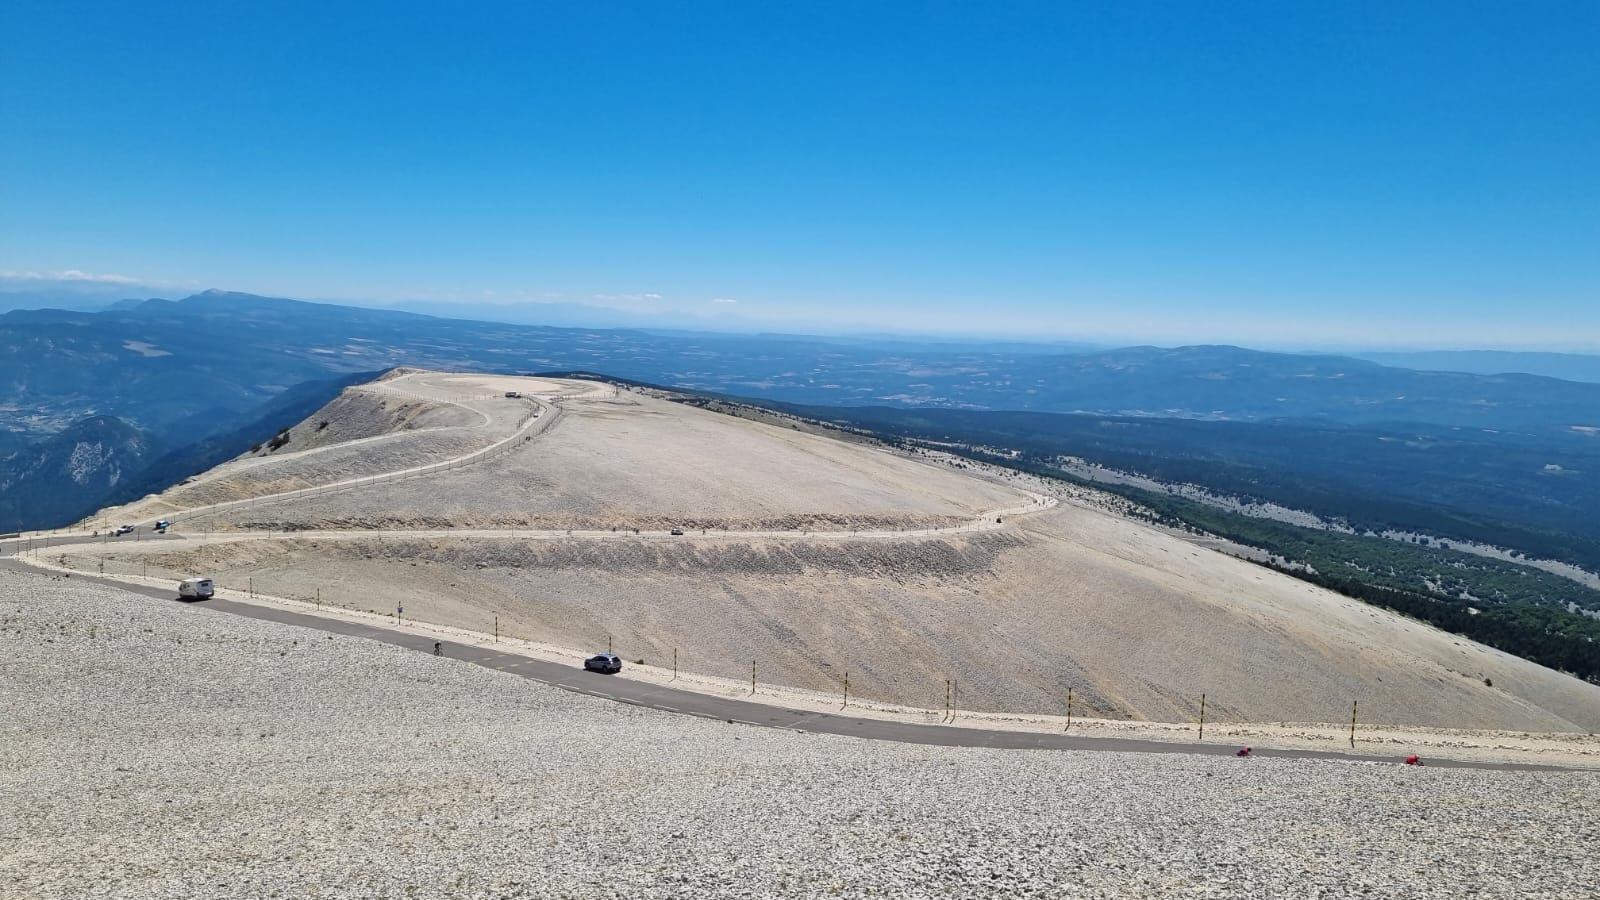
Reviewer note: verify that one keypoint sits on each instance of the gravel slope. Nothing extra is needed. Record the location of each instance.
(406, 418)
(150, 750)
(635, 461)
(1137, 622)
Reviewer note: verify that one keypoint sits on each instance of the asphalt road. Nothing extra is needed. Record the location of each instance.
(738, 712)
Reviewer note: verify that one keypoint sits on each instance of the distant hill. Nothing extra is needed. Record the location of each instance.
(184, 371)
(66, 475)
(161, 362)
(1568, 366)
(42, 292)
(1232, 383)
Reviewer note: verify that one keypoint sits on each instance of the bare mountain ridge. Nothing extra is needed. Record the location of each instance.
(1069, 594)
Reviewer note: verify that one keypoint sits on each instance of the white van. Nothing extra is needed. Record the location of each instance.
(196, 588)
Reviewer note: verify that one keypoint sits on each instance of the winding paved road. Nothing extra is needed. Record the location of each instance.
(667, 699)
(624, 690)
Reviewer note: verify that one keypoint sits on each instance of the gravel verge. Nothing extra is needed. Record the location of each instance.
(154, 750)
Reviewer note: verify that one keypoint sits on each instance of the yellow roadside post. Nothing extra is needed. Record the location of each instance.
(1069, 710)
(1202, 717)
(1353, 724)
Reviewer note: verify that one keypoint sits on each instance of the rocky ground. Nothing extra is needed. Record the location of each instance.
(154, 750)
(406, 419)
(260, 477)
(635, 461)
(1138, 623)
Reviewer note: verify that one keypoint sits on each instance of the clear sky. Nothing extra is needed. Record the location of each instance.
(1259, 173)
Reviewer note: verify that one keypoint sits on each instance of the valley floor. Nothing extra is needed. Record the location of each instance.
(149, 750)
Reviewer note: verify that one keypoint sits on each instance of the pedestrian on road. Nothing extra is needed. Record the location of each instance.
(438, 649)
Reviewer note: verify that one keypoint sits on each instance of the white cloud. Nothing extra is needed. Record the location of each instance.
(625, 298)
(109, 278)
(72, 275)
(723, 300)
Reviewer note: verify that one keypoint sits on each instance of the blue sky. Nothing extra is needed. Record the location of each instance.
(1385, 173)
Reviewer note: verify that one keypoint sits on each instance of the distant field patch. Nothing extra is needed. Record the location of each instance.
(144, 349)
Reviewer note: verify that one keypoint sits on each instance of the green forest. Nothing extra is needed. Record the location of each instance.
(1518, 609)
(1533, 491)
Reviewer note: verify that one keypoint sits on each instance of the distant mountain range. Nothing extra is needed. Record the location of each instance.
(159, 363)
(1569, 366)
(182, 372)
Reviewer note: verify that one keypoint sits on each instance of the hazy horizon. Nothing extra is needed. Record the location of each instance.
(90, 295)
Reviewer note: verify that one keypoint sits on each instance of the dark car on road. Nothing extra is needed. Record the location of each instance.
(608, 663)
